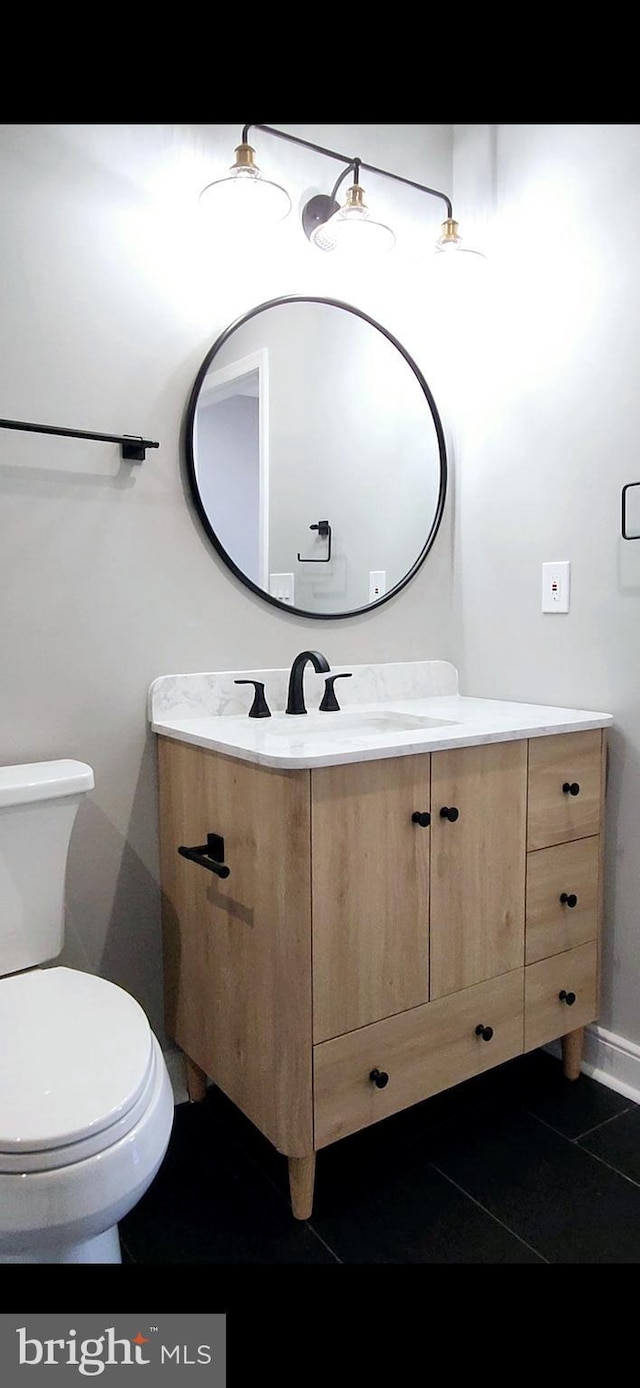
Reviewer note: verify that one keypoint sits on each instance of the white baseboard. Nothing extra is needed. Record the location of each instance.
(610, 1059)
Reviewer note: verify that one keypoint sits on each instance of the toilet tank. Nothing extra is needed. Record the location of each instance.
(38, 805)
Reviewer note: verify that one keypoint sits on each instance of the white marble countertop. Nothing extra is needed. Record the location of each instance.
(204, 709)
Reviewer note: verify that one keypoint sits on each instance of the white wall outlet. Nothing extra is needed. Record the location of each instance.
(377, 584)
(556, 583)
(281, 587)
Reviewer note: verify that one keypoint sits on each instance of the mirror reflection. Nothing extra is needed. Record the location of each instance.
(316, 456)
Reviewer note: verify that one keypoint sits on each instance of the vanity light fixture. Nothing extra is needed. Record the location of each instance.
(329, 225)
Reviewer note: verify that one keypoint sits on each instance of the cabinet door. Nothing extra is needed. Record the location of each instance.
(370, 891)
(477, 864)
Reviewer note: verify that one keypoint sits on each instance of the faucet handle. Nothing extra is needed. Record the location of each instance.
(329, 702)
(259, 707)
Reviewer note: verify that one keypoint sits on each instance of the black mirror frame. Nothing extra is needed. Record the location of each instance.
(191, 465)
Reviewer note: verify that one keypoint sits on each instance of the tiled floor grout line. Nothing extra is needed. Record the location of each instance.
(575, 1142)
(546, 1124)
(610, 1167)
(597, 1126)
(490, 1213)
(274, 1186)
(255, 1162)
(324, 1243)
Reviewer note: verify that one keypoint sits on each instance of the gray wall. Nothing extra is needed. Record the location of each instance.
(112, 293)
(546, 434)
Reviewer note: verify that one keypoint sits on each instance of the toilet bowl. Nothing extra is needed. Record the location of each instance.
(86, 1103)
(86, 1109)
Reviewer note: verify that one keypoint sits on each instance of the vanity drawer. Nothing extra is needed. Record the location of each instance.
(548, 1016)
(569, 871)
(556, 815)
(422, 1051)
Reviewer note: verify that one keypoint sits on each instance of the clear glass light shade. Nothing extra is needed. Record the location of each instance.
(245, 198)
(454, 252)
(352, 231)
(450, 242)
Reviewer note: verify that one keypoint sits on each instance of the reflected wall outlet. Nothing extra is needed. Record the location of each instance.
(556, 579)
(281, 587)
(377, 584)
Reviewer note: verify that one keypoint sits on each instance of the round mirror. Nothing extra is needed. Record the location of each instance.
(316, 456)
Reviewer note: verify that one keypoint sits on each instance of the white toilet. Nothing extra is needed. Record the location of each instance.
(86, 1103)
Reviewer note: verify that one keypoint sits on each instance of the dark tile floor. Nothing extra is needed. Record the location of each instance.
(516, 1166)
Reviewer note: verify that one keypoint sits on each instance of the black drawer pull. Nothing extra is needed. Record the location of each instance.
(569, 998)
(421, 817)
(209, 855)
(450, 813)
(485, 1032)
(569, 899)
(571, 788)
(380, 1078)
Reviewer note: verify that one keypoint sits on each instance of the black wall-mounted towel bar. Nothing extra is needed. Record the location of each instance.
(133, 446)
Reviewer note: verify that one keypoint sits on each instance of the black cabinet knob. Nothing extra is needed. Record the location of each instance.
(449, 812)
(421, 817)
(571, 788)
(485, 1032)
(569, 998)
(569, 899)
(380, 1078)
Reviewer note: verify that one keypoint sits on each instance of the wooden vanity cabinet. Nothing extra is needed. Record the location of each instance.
(388, 928)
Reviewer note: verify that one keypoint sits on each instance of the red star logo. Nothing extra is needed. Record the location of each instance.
(140, 1339)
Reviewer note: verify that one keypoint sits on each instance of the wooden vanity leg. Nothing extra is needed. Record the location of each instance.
(302, 1172)
(196, 1080)
(572, 1045)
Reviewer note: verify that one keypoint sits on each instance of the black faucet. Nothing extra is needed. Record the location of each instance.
(295, 697)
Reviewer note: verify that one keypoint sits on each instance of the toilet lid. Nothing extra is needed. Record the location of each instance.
(77, 1052)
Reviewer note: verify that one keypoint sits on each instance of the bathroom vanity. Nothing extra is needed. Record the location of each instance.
(398, 895)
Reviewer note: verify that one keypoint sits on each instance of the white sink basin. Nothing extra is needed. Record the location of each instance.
(351, 722)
